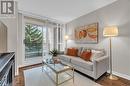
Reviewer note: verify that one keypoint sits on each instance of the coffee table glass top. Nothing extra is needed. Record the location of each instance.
(57, 67)
(58, 71)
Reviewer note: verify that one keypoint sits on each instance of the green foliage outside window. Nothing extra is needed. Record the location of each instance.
(33, 40)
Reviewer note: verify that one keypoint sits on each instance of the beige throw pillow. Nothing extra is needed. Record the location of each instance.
(97, 54)
(79, 50)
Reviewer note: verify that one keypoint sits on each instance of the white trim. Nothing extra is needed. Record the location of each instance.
(23, 37)
(33, 15)
(33, 21)
(120, 75)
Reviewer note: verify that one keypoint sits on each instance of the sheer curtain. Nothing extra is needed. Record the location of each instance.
(60, 37)
(51, 35)
(54, 36)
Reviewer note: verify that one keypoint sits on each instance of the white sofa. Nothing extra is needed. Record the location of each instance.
(94, 68)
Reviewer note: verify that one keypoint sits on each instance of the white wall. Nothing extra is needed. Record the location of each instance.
(11, 24)
(118, 14)
(12, 33)
(12, 28)
(21, 46)
(20, 40)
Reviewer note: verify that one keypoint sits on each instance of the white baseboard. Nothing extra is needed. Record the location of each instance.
(121, 75)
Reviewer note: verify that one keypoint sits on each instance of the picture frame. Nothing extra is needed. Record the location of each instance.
(87, 34)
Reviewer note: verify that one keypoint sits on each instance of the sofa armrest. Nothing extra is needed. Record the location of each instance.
(101, 65)
(101, 58)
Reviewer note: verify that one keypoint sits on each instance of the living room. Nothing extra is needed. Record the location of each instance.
(84, 42)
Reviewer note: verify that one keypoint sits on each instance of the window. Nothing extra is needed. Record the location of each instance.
(35, 36)
(42, 38)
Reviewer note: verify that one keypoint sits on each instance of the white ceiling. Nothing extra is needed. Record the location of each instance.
(62, 10)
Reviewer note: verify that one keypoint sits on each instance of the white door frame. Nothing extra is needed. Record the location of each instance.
(29, 61)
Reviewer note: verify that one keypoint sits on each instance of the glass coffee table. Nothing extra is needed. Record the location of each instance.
(59, 72)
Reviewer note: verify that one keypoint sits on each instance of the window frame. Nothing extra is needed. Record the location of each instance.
(26, 23)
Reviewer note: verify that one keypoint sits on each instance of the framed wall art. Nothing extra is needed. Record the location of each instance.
(87, 33)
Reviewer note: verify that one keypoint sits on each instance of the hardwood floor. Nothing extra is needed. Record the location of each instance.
(19, 80)
(105, 81)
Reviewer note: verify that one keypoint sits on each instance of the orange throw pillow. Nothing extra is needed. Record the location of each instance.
(86, 55)
(72, 52)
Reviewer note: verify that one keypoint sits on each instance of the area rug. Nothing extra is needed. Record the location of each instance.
(35, 77)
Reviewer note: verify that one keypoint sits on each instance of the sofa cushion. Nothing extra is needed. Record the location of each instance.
(72, 51)
(86, 49)
(79, 50)
(97, 54)
(66, 57)
(82, 63)
(86, 55)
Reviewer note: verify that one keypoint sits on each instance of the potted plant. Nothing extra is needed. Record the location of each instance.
(54, 52)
